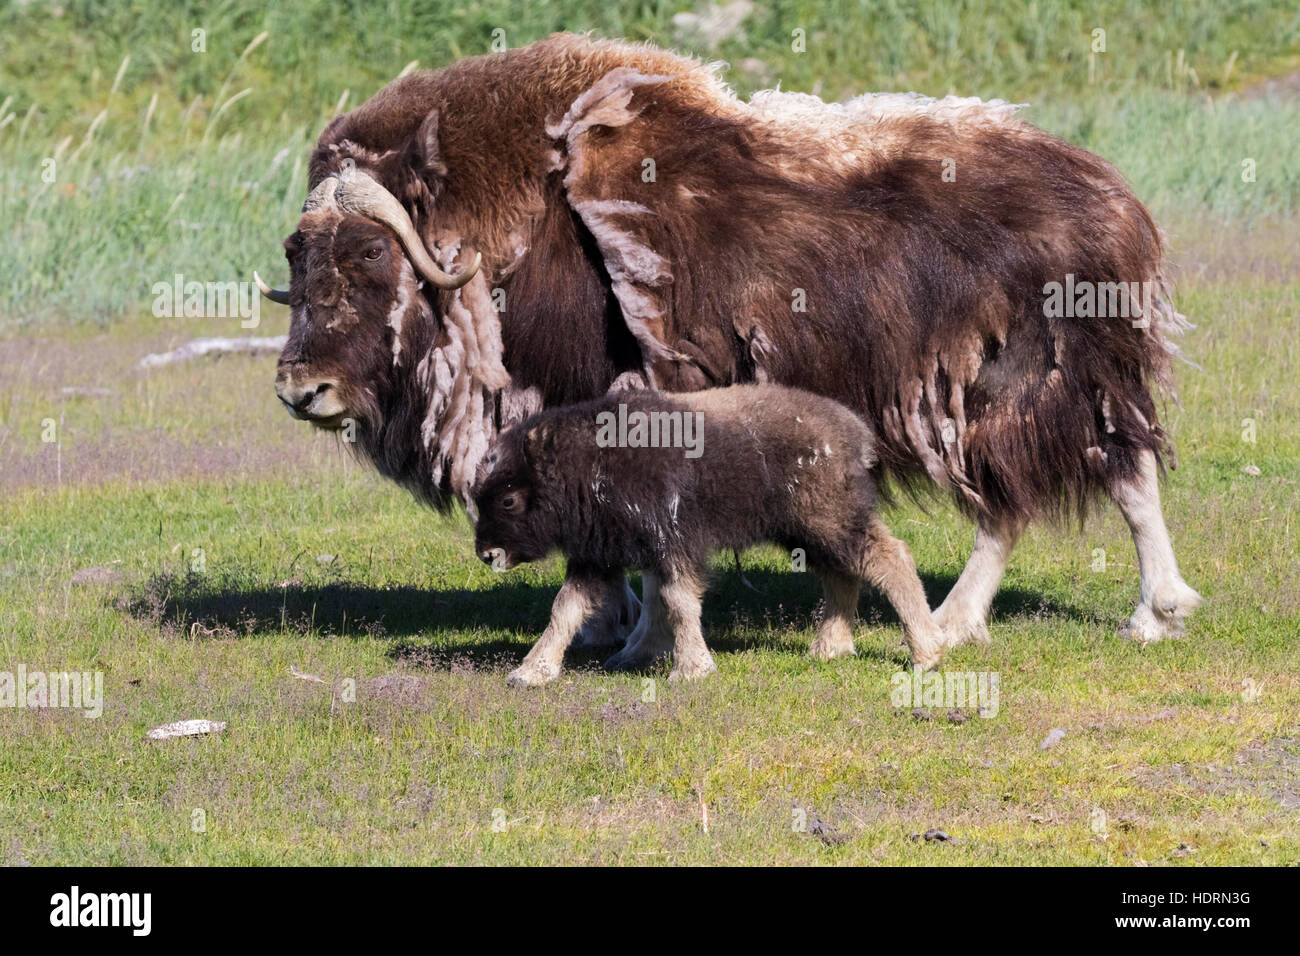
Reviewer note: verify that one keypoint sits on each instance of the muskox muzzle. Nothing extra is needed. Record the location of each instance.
(310, 398)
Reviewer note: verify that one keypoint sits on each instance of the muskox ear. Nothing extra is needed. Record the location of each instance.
(426, 144)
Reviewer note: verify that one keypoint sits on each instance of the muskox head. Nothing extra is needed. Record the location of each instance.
(356, 263)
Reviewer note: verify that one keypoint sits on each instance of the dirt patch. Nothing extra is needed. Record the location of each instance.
(614, 715)
(102, 576)
(1269, 770)
(76, 410)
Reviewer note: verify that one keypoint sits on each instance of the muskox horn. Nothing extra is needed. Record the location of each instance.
(275, 295)
(360, 195)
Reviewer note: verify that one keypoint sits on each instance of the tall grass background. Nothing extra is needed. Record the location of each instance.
(165, 160)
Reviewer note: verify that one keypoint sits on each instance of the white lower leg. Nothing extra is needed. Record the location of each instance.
(835, 636)
(1165, 598)
(574, 602)
(964, 612)
(691, 657)
(888, 565)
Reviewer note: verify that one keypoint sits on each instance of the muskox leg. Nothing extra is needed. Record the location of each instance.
(887, 563)
(583, 591)
(1165, 597)
(835, 636)
(681, 595)
(612, 620)
(962, 615)
(652, 639)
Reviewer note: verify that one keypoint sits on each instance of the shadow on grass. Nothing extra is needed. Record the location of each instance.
(429, 628)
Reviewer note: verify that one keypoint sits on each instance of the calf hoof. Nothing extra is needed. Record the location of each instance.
(961, 626)
(927, 657)
(692, 670)
(828, 649)
(532, 674)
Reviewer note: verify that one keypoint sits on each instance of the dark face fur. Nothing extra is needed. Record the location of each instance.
(509, 528)
(351, 291)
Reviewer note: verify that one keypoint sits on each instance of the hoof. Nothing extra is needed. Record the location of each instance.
(1164, 616)
(961, 627)
(828, 650)
(532, 675)
(926, 655)
(639, 657)
(692, 671)
(1146, 627)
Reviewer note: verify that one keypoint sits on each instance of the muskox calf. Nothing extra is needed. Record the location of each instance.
(649, 480)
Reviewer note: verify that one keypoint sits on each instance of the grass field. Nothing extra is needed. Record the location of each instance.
(183, 536)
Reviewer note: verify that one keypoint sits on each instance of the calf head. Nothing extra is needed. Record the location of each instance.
(512, 526)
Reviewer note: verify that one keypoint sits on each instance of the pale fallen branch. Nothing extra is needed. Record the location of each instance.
(199, 347)
(186, 728)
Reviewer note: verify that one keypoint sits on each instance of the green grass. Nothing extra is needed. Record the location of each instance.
(584, 770)
(239, 546)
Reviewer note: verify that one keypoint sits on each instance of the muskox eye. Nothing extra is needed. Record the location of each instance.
(374, 253)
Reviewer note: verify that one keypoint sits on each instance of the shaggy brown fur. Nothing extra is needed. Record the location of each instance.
(638, 223)
(923, 297)
(771, 464)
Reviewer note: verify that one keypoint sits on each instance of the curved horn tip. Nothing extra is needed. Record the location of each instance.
(470, 271)
(275, 295)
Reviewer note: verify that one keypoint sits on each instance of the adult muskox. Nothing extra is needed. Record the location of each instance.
(528, 228)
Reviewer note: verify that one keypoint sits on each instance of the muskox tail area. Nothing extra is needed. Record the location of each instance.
(1039, 421)
(1078, 425)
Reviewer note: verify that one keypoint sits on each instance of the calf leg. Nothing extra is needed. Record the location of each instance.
(681, 595)
(652, 639)
(887, 563)
(583, 591)
(835, 636)
(1165, 598)
(963, 613)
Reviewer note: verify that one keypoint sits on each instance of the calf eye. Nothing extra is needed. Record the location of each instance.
(513, 504)
(374, 253)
